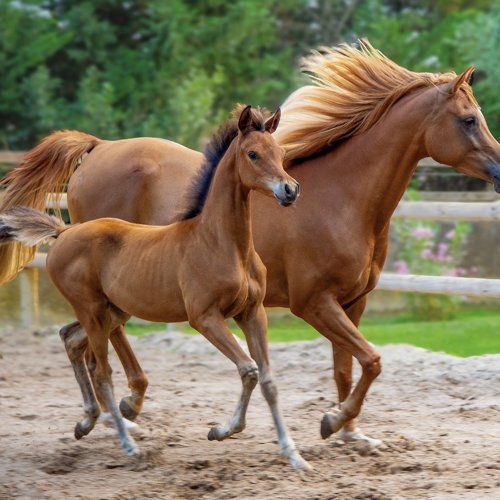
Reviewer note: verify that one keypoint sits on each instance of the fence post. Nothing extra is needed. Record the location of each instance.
(30, 298)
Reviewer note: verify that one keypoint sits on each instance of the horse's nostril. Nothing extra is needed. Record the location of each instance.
(288, 191)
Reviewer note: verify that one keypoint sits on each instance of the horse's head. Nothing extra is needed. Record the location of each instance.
(261, 158)
(458, 134)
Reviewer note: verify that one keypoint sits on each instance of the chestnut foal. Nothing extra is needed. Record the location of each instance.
(202, 269)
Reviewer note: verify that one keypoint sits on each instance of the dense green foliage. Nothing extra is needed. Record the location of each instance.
(174, 69)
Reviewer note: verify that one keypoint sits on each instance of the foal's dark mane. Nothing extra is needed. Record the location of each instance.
(214, 151)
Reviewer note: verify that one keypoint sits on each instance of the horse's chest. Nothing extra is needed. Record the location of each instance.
(247, 289)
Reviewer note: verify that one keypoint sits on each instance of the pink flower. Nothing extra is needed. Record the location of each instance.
(401, 267)
(422, 233)
(450, 234)
(426, 253)
(442, 250)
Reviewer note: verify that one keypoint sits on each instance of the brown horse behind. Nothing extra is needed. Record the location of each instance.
(203, 269)
(353, 139)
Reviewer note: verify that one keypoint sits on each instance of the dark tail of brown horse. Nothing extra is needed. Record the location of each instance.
(44, 170)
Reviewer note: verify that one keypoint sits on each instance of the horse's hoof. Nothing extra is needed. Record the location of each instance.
(330, 423)
(81, 430)
(298, 463)
(213, 434)
(357, 435)
(126, 409)
(131, 450)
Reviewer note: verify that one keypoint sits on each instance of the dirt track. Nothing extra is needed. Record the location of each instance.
(438, 416)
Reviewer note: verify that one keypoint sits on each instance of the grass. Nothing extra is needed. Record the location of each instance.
(473, 332)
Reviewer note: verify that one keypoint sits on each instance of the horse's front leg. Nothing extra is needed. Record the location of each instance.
(76, 341)
(213, 327)
(254, 325)
(342, 373)
(325, 314)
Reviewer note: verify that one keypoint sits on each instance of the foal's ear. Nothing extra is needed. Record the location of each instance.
(466, 76)
(273, 122)
(245, 120)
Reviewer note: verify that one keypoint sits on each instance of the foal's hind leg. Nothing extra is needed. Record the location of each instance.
(98, 340)
(75, 341)
(130, 406)
(255, 329)
(213, 328)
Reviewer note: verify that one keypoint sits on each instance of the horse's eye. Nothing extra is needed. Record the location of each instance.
(469, 122)
(252, 155)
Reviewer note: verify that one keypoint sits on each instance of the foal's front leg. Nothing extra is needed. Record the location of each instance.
(213, 328)
(254, 325)
(75, 341)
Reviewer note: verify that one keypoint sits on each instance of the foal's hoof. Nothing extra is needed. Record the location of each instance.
(126, 409)
(299, 463)
(214, 434)
(331, 422)
(358, 436)
(131, 450)
(81, 430)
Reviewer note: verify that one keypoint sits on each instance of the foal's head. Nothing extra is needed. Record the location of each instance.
(260, 158)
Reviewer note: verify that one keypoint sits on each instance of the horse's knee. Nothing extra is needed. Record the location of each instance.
(249, 374)
(372, 367)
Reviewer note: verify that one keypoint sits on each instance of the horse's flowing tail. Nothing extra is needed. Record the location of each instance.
(28, 226)
(42, 173)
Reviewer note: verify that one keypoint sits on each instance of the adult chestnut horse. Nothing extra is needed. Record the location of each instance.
(198, 269)
(353, 139)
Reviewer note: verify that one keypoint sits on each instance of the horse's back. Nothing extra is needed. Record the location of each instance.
(138, 180)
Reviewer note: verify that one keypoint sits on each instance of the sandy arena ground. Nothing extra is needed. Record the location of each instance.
(437, 415)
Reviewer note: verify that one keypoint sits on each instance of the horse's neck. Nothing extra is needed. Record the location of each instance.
(225, 217)
(378, 165)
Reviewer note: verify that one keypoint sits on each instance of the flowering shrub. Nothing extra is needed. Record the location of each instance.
(430, 248)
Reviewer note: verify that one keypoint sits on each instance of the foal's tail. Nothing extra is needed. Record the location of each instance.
(42, 172)
(28, 226)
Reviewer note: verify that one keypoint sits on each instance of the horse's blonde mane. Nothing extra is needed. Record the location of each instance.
(352, 89)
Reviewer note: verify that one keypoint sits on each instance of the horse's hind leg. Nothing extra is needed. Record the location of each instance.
(75, 341)
(130, 406)
(98, 340)
(216, 331)
(255, 329)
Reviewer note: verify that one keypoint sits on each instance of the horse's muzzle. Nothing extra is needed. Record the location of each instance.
(287, 192)
(494, 172)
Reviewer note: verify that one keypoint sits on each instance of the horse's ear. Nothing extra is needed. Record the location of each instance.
(245, 120)
(273, 122)
(466, 76)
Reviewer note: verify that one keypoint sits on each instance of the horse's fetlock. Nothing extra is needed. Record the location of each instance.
(139, 384)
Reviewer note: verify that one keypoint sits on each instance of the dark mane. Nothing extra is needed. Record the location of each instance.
(214, 151)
